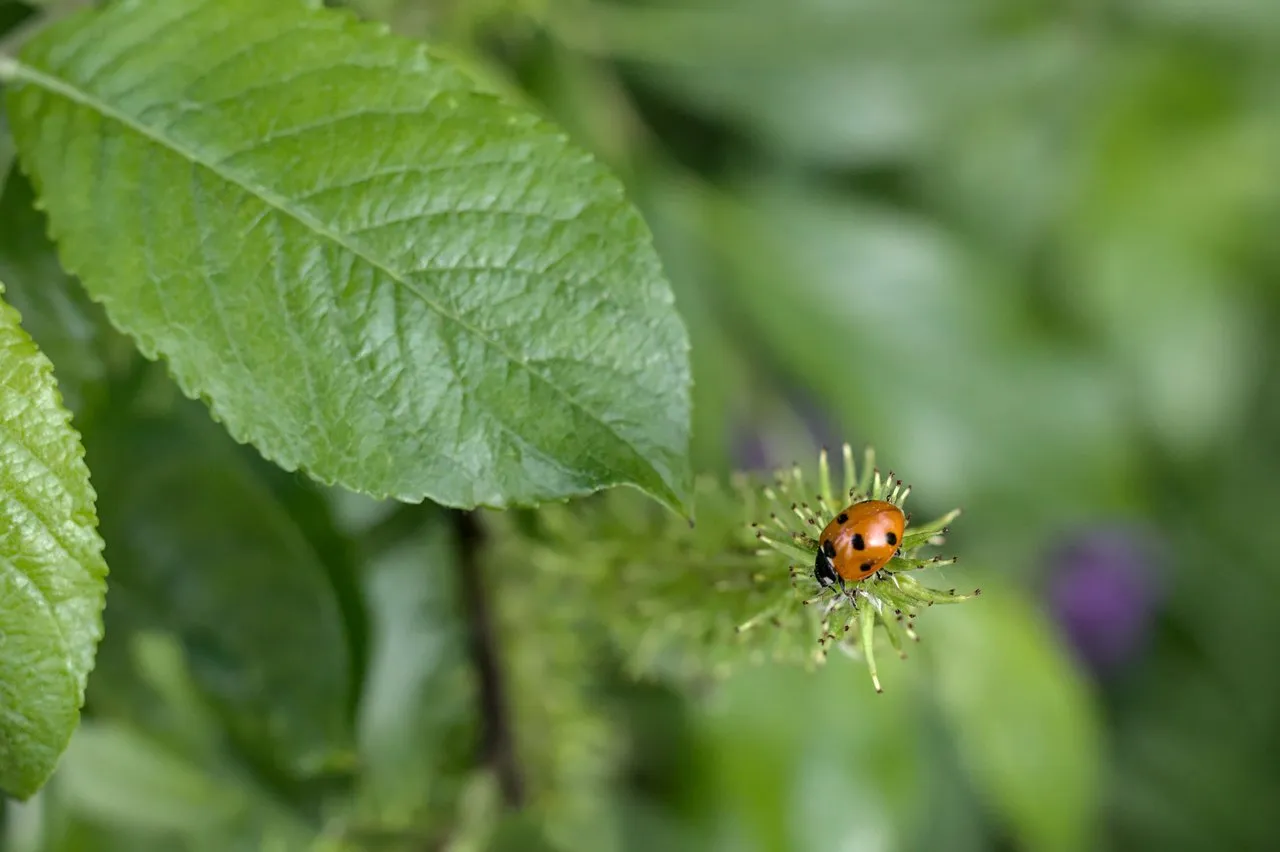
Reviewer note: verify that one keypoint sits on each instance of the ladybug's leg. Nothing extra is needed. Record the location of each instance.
(851, 597)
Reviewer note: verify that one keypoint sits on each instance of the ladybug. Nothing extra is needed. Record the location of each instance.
(858, 542)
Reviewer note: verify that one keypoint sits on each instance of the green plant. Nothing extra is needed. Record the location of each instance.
(367, 265)
(737, 586)
(378, 267)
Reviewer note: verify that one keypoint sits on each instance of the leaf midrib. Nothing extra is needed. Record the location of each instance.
(19, 69)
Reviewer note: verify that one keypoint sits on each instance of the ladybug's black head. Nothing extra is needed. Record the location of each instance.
(823, 571)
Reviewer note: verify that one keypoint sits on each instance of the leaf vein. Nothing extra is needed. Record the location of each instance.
(43, 598)
(202, 242)
(431, 215)
(277, 253)
(19, 498)
(128, 49)
(237, 54)
(293, 76)
(405, 169)
(270, 138)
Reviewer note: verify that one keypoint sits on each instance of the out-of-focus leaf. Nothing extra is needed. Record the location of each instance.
(311, 512)
(954, 817)
(416, 730)
(722, 383)
(55, 309)
(1006, 171)
(75, 833)
(894, 324)
(812, 778)
(370, 268)
(1153, 265)
(521, 833)
(1245, 23)
(1025, 724)
(1183, 335)
(356, 513)
(52, 574)
(839, 83)
(120, 789)
(118, 775)
(6, 150)
(208, 552)
(12, 14)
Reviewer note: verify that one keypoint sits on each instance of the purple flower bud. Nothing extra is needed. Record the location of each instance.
(1103, 591)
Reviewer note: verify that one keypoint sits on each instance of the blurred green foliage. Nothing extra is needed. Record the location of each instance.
(1024, 248)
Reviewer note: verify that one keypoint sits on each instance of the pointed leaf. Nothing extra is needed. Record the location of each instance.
(52, 576)
(370, 268)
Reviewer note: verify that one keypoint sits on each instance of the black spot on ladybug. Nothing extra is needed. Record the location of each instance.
(866, 566)
(843, 518)
(829, 549)
(858, 543)
(891, 538)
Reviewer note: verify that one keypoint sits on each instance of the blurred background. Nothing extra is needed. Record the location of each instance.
(1026, 249)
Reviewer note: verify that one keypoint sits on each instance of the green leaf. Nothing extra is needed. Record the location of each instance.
(1023, 720)
(13, 15)
(205, 550)
(371, 269)
(937, 301)
(52, 575)
(120, 776)
(843, 84)
(812, 780)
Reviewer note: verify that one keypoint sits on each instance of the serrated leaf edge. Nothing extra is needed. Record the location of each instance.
(15, 69)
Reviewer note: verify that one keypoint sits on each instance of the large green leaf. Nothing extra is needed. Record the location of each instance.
(206, 551)
(369, 267)
(52, 576)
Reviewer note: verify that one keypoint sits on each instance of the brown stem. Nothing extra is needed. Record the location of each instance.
(497, 743)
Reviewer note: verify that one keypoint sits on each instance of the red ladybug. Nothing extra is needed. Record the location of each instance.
(858, 542)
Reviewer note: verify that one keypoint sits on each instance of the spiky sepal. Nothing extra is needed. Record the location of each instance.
(685, 602)
(846, 617)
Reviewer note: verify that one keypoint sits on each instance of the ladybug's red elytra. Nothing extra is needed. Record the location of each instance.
(858, 542)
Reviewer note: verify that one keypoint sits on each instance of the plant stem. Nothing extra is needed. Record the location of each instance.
(497, 744)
